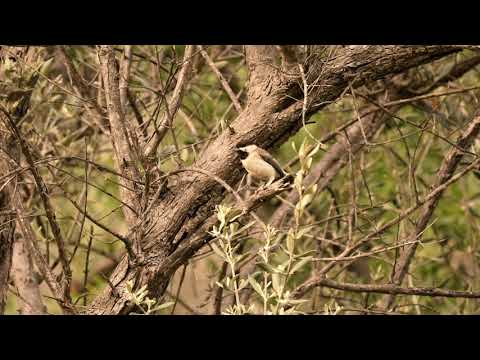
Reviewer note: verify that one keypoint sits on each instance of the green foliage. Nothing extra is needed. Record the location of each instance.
(384, 179)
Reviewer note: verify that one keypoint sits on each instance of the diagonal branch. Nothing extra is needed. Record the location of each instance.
(222, 80)
(45, 197)
(387, 289)
(83, 91)
(434, 194)
(445, 173)
(174, 103)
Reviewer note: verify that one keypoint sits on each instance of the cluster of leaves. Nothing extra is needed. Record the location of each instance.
(146, 305)
(280, 258)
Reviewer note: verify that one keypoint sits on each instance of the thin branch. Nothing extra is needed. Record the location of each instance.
(361, 242)
(386, 289)
(50, 213)
(29, 235)
(446, 171)
(125, 75)
(87, 258)
(222, 80)
(174, 103)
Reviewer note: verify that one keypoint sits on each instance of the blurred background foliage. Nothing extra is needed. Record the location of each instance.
(58, 125)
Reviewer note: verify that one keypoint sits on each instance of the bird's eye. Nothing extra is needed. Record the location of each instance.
(243, 154)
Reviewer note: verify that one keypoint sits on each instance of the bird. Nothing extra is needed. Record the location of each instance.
(260, 164)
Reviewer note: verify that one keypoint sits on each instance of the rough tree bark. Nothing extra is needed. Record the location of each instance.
(25, 282)
(9, 155)
(7, 229)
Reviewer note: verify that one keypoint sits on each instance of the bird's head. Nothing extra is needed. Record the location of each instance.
(247, 149)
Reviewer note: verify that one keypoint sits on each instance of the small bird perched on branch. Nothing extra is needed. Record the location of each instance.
(261, 165)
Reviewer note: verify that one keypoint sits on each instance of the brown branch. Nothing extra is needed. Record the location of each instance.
(366, 239)
(289, 55)
(7, 228)
(126, 155)
(222, 80)
(89, 101)
(23, 277)
(9, 159)
(174, 103)
(385, 289)
(217, 304)
(335, 158)
(87, 258)
(264, 78)
(445, 173)
(30, 238)
(50, 212)
(125, 75)
(125, 240)
(125, 65)
(7, 223)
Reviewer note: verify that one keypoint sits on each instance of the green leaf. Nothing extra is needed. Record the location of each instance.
(256, 286)
(291, 242)
(241, 257)
(296, 302)
(130, 286)
(242, 284)
(300, 264)
(307, 199)
(299, 234)
(43, 68)
(217, 250)
(242, 229)
(301, 152)
(298, 181)
(308, 164)
(315, 149)
(276, 282)
(163, 306)
(267, 268)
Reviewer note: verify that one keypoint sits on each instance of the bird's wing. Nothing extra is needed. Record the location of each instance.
(265, 155)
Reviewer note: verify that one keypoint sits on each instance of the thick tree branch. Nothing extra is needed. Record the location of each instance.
(265, 123)
(30, 299)
(126, 155)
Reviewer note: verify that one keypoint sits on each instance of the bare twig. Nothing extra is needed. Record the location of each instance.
(174, 103)
(445, 173)
(44, 195)
(222, 80)
(386, 289)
